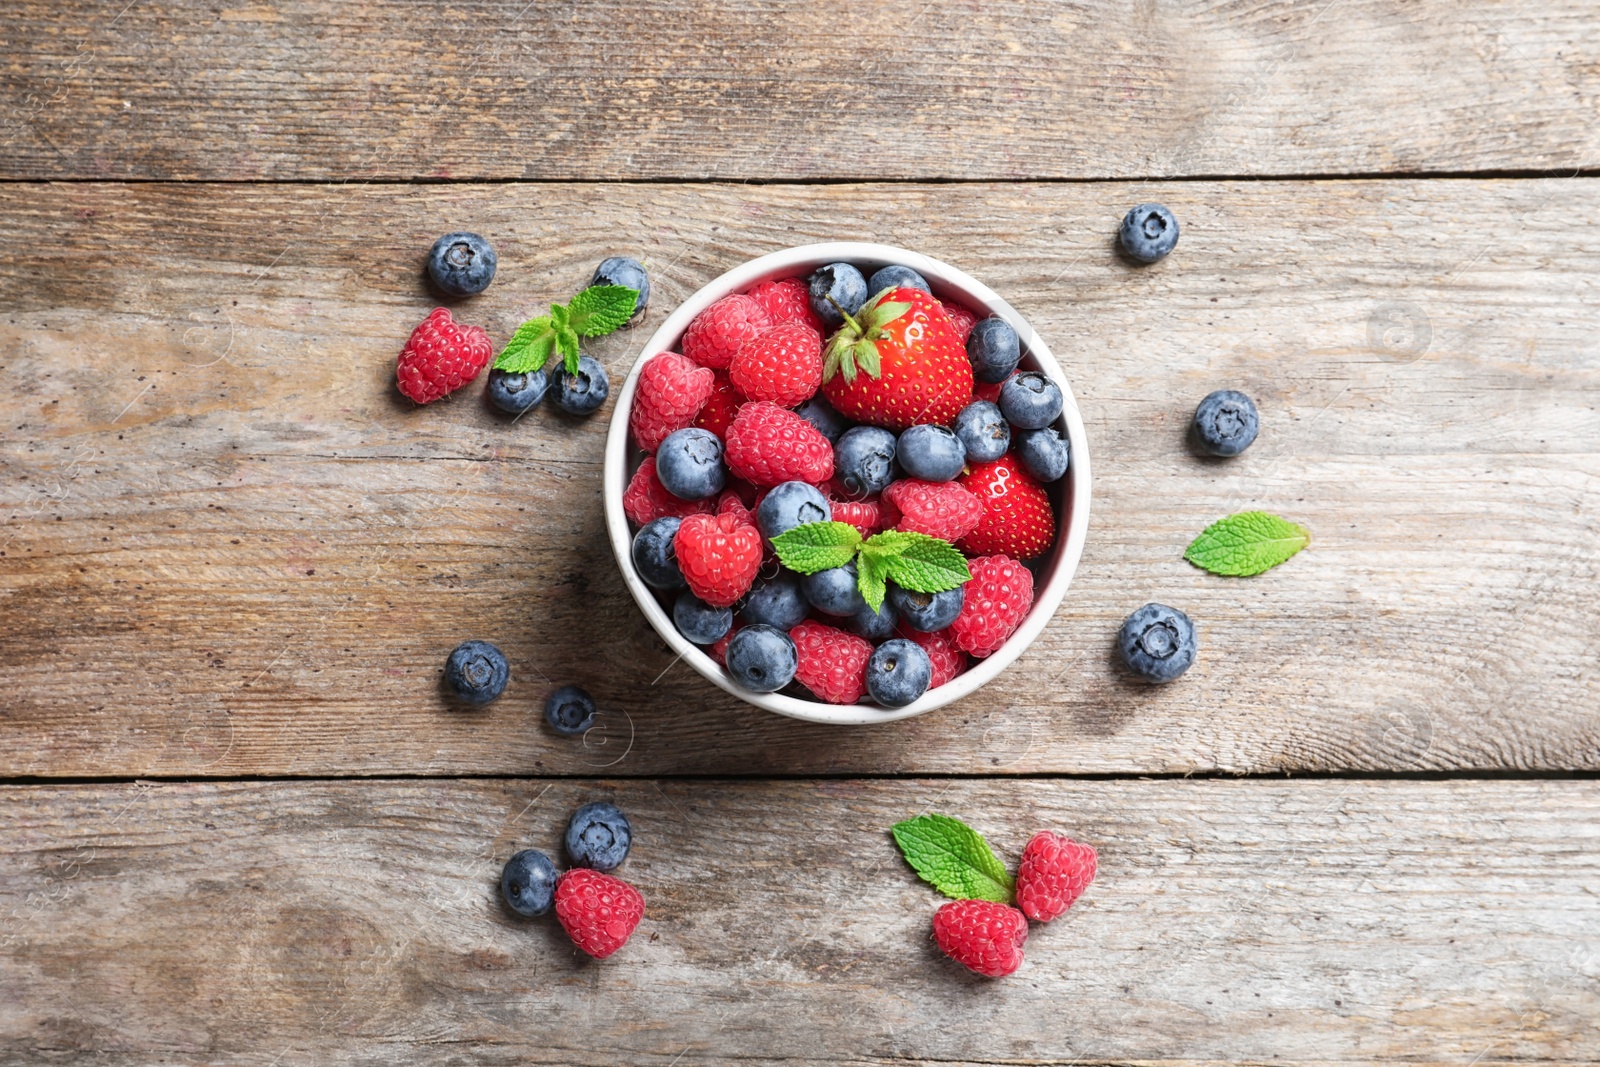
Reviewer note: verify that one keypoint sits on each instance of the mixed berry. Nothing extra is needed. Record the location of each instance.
(598, 910)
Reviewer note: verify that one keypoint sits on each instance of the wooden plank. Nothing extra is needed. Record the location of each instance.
(347, 922)
(766, 89)
(233, 549)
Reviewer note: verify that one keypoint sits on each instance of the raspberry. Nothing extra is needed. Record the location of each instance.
(730, 504)
(646, 499)
(946, 656)
(598, 911)
(785, 300)
(998, 596)
(718, 649)
(865, 515)
(1017, 518)
(1055, 870)
(783, 365)
(672, 390)
(938, 509)
(961, 318)
(720, 406)
(989, 391)
(980, 935)
(833, 664)
(719, 556)
(718, 332)
(768, 446)
(441, 356)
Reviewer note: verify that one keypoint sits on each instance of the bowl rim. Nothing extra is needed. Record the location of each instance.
(947, 282)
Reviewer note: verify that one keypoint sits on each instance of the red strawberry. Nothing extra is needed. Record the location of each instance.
(730, 504)
(833, 664)
(946, 656)
(997, 598)
(719, 331)
(672, 390)
(720, 406)
(783, 365)
(719, 556)
(785, 300)
(938, 509)
(961, 318)
(440, 357)
(597, 911)
(768, 445)
(981, 935)
(1017, 518)
(646, 499)
(864, 515)
(898, 362)
(1055, 871)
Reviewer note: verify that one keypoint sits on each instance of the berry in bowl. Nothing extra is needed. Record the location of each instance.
(847, 483)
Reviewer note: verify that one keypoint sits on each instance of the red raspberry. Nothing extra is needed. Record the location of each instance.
(785, 300)
(440, 357)
(989, 391)
(997, 598)
(646, 499)
(718, 332)
(946, 656)
(962, 319)
(768, 445)
(730, 504)
(833, 664)
(1055, 871)
(981, 935)
(938, 509)
(783, 365)
(672, 390)
(719, 556)
(1017, 518)
(720, 406)
(597, 911)
(718, 649)
(864, 515)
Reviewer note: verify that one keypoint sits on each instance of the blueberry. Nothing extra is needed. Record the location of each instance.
(789, 505)
(898, 673)
(864, 459)
(762, 659)
(984, 432)
(1030, 400)
(993, 350)
(776, 602)
(1044, 453)
(654, 556)
(875, 626)
(844, 285)
(621, 270)
(460, 264)
(927, 611)
(1149, 232)
(895, 276)
(598, 836)
(1226, 422)
(834, 592)
(689, 464)
(698, 621)
(476, 672)
(931, 453)
(819, 413)
(517, 393)
(569, 710)
(584, 392)
(1157, 642)
(528, 882)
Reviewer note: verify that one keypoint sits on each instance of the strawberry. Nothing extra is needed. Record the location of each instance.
(1055, 870)
(996, 600)
(672, 390)
(981, 935)
(720, 406)
(719, 556)
(768, 445)
(598, 911)
(783, 365)
(718, 332)
(938, 509)
(946, 656)
(441, 356)
(1017, 517)
(833, 664)
(785, 300)
(898, 362)
(961, 318)
(646, 499)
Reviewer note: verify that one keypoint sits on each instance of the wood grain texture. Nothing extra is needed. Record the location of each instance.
(296, 89)
(1323, 922)
(232, 548)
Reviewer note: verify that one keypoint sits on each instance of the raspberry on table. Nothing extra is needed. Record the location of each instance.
(981, 935)
(598, 912)
(996, 600)
(441, 356)
(1054, 872)
(717, 333)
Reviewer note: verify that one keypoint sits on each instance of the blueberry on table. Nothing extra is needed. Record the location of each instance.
(476, 672)
(984, 431)
(762, 659)
(834, 591)
(1148, 232)
(1226, 422)
(654, 556)
(582, 393)
(1030, 400)
(837, 283)
(993, 350)
(460, 264)
(598, 837)
(528, 883)
(873, 625)
(789, 505)
(1157, 643)
(698, 621)
(624, 271)
(927, 611)
(819, 413)
(895, 276)
(864, 459)
(569, 710)
(931, 453)
(898, 673)
(776, 602)
(515, 394)
(689, 464)
(1044, 453)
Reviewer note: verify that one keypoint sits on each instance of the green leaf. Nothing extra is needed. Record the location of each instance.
(926, 564)
(567, 345)
(560, 315)
(880, 315)
(528, 348)
(1247, 543)
(600, 309)
(817, 546)
(872, 572)
(953, 858)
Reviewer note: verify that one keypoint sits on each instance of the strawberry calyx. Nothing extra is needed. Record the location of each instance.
(854, 347)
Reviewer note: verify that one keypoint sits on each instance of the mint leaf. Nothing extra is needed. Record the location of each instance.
(817, 546)
(567, 345)
(926, 564)
(528, 348)
(872, 572)
(560, 315)
(1247, 543)
(600, 309)
(953, 858)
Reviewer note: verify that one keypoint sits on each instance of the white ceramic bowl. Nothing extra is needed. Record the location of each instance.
(1071, 495)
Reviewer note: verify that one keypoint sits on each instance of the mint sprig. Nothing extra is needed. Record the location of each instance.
(953, 858)
(595, 312)
(912, 561)
(1246, 544)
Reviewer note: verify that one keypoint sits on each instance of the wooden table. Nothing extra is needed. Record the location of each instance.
(240, 825)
